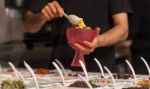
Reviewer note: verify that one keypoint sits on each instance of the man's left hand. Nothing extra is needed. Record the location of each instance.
(88, 47)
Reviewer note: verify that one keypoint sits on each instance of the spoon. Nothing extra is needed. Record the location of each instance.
(14, 69)
(100, 66)
(84, 69)
(73, 19)
(17, 73)
(109, 72)
(132, 70)
(146, 64)
(61, 66)
(32, 73)
(60, 73)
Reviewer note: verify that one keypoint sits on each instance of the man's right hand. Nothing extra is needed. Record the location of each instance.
(52, 10)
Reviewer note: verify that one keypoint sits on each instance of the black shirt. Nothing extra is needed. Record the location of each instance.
(140, 27)
(95, 13)
(140, 24)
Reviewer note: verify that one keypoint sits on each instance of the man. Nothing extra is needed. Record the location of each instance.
(109, 15)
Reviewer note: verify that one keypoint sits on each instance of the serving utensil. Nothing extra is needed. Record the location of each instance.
(17, 73)
(14, 69)
(32, 73)
(60, 73)
(73, 19)
(113, 79)
(84, 69)
(146, 64)
(61, 66)
(100, 66)
(132, 70)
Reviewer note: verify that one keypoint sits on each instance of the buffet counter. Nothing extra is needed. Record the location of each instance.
(51, 79)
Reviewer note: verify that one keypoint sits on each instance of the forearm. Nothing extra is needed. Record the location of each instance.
(34, 22)
(113, 36)
(116, 34)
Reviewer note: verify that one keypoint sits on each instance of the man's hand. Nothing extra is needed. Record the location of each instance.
(88, 46)
(52, 10)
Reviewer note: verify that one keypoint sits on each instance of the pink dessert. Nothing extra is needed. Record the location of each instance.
(78, 35)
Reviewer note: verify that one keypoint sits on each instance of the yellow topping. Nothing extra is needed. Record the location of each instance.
(82, 25)
(88, 27)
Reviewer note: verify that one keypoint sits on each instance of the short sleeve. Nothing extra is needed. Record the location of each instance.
(37, 5)
(118, 6)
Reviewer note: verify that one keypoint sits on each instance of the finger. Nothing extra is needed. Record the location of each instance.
(94, 43)
(58, 8)
(82, 49)
(49, 12)
(45, 14)
(90, 44)
(79, 47)
(53, 9)
(97, 30)
(29, 13)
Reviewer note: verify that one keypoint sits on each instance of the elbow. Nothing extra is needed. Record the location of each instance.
(125, 36)
(32, 23)
(29, 28)
(126, 33)
(26, 27)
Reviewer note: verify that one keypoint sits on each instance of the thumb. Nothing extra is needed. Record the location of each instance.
(97, 30)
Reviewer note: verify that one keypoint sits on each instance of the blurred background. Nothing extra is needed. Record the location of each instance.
(16, 45)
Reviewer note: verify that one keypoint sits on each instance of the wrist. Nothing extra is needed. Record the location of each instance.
(42, 17)
(101, 41)
(33, 22)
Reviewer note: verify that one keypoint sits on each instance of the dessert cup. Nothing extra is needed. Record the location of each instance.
(78, 35)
